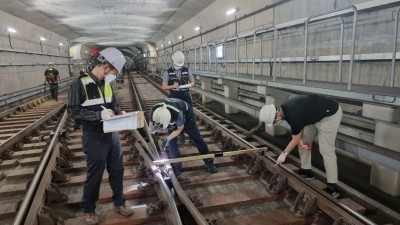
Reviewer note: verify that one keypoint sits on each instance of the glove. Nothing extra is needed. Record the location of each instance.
(304, 145)
(281, 158)
(106, 114)
(122, 113)
(164, 143)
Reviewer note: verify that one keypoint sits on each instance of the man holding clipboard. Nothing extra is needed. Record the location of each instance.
(91, 100)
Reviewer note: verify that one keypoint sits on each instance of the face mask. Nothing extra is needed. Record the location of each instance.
(109, 78)
(177, 67)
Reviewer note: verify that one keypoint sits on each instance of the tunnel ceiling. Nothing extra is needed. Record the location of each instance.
(107, 22)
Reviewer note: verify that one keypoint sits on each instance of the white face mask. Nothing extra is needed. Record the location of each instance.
(109, 78)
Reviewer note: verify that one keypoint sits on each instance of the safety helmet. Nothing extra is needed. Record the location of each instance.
(267, 114)
(178, 58)
(114, 57)
(161, 116)
(50, 63)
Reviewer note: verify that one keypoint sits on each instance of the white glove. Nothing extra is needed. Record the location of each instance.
(106, 114)
(281, 158)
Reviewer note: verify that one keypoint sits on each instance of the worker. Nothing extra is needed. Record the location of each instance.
(309, 115)
(91, 100)
(177, 116)
(52, 77)
(176, 76)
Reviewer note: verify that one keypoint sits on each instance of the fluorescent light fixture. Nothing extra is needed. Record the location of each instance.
(86, 52)
(231, 11)
(11, 30)
(144, 54)
(180, 37)
(169, 42)
(197, 28)
(162, 46)
(139, 52)
(60, 44)
(156, 48)
(42, 38)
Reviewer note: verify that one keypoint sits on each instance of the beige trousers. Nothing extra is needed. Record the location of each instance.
(327, 130)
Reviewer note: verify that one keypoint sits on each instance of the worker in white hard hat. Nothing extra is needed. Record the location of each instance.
(309, 116)
(52, 77)
(178, 79)
(177, 116)
(91, 100)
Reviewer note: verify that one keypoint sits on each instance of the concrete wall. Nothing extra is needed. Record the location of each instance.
(16, 77)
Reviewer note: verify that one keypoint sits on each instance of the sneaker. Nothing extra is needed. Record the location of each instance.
(332, 190)
(123, 210)
(91, 219)
(211, 168)
(306, 174)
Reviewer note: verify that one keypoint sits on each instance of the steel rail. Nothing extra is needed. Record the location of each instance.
(26, 204)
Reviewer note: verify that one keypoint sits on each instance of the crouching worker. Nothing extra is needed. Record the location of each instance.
(90, 101)
(177, 116)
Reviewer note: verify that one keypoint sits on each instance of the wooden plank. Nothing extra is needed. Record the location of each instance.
(7, 131)
(25, 154)
(79, 180)
(81, 166)
(9, 164)
(12, 190)
(8, 210)
(78, 147)
(20, 174)
(30, 161)
(237, 199)
(112, 218)
(217, 178)
(276, 217)
(105, 195)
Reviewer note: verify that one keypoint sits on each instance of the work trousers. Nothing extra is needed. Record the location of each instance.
(192, 130)
(54, 90)
(326, 129)
(102, 150)
(182, 95)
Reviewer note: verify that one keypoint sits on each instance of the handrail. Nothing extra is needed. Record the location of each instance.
(355, 12)
(25, 206)
(396, 23)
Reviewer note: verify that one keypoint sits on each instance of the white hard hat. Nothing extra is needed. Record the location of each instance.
(162, 116)
(178, 58)
(114, 57)
(50, 63)
(267, 114)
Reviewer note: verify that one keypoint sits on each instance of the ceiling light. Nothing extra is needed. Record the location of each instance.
(231, 11)
(11, 30)
(156, 48)
(169, 42)
(60, 44)
(197, 28)
(180, 37)
(42, 38)
(162, 46)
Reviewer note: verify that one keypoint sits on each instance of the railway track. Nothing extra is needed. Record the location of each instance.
(248, 189)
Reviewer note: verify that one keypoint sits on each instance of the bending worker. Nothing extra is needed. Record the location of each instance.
(308, 116)
(177, 116)
(91, 100)
(178, 75)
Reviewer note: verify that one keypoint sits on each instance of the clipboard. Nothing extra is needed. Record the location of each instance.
(128, 121)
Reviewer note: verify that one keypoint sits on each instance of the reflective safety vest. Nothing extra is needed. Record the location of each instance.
(95, 98)
(172, 77)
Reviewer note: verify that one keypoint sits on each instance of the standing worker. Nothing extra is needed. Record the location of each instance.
(309, 116)
(176, 115)
(52, 77)
(176, 76)
(91, 100)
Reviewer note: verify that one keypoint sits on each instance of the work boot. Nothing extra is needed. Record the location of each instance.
(91, 219)
(306, 174)
(332, 189)
(211, 168)
(123, 210)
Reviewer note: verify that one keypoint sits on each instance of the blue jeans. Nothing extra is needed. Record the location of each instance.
(193, 131)
(102, 150)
